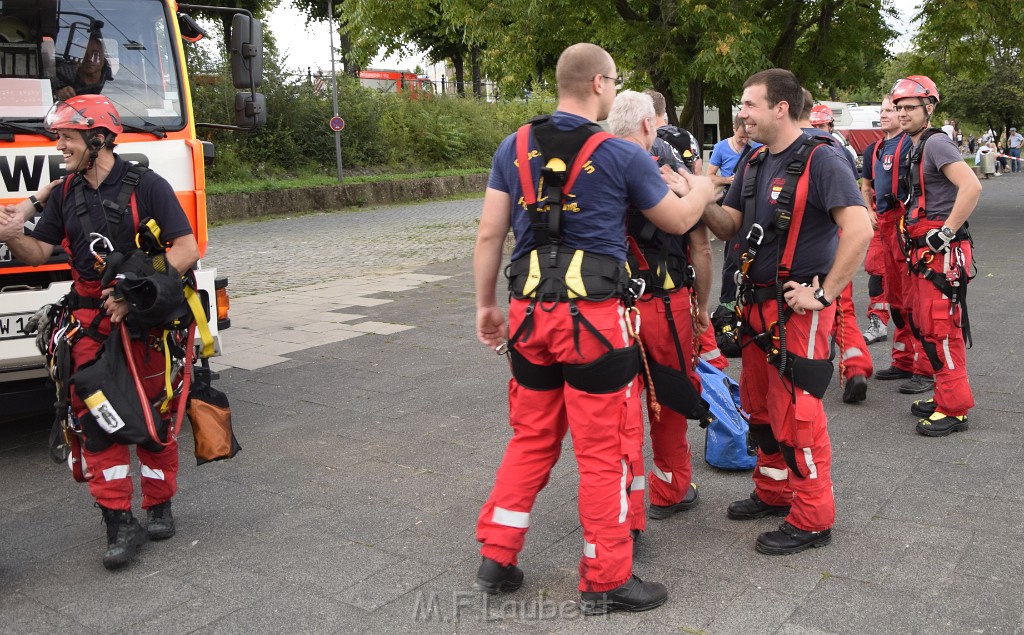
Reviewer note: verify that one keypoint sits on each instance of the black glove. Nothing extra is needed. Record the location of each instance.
(938, 240)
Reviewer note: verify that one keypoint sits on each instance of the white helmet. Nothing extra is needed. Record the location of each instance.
(13, 30)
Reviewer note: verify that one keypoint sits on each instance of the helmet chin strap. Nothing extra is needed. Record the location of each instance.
(95, 142)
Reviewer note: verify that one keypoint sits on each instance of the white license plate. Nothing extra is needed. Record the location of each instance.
(11, 325)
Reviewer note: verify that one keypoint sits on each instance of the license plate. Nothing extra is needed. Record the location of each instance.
(11, 325)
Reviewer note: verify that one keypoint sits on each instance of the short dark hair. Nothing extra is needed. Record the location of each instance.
(659, 102)
(780, 85)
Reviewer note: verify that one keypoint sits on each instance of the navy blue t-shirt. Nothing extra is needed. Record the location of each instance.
(619, 174)
(154, 198)
(882, 170)
(830, 185)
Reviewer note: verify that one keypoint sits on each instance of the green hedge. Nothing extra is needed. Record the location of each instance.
(384, 133)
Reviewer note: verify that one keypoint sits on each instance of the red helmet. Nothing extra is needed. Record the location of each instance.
(83, 112)
(915, 86)
(821, 114)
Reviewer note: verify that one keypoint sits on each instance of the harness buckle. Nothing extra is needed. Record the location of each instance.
(755, 235)
(501, 349)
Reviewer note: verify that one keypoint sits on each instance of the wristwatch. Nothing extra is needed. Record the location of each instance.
(947, 232)
(819, 295)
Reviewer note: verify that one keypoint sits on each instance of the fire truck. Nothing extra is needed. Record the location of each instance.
(138, 46)
(391, 81)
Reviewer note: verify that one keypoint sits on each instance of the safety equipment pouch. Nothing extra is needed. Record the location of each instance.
(812, 375)
(675, 391)
(210, 414)
(115, 406)
(725, 441)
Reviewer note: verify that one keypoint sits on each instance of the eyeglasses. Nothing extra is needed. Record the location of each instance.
(616, 80)
(908, 107)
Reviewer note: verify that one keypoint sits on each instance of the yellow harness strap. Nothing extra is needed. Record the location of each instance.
(201, 324)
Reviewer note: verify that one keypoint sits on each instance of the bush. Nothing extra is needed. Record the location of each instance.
(383, 132)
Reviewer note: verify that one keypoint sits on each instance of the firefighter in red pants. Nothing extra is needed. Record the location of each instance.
(856, 360)
(574, 365)
(787, 201)
(942, 192)
(874, 265)
(86, 127)
(677, 278)
(883, 186)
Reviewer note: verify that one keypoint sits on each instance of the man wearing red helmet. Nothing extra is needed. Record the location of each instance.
(942, 193)
(86, 127)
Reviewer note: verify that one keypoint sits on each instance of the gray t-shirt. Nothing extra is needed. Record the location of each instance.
(939, 192)
(830, 185)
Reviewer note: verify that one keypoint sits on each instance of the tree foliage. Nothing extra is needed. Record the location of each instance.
(972, 49)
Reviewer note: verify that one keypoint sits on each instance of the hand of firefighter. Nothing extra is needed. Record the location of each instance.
(11, 223)
(801, 298)
(674, 181)
(702, 321)
(115, 306)
(491, 328)
(700, 187)
(937, 241)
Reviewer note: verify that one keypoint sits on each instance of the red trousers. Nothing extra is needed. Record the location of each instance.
(669, 480)
(111, 483)
(906, 349)
(709, 350)
(852, 347)
(874, 264)
(797, 420)
(940, 323)
(607, 439)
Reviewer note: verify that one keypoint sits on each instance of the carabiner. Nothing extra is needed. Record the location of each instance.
(501, 349)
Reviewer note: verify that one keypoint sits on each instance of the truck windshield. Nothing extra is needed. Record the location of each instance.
(123, 49)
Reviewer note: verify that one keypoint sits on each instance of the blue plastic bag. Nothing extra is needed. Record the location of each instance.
(725, 442)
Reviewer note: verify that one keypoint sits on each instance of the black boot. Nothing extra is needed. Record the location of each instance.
(493, 578)
(124, 534)
(754, 507)
(160, 525)
(633, 596)
(789, 539)
(660, 512)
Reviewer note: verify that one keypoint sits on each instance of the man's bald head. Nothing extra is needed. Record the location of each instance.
(577, 67)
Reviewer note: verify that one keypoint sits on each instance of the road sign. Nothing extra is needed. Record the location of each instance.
(337, 124)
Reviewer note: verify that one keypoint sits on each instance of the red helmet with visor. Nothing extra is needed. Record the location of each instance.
(915, 86)
(83, 112)
(821, 114)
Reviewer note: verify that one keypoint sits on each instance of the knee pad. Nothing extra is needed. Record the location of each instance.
(762, 437)
(606, 374)
(932, 351)
(875, 285)
(897, 317)
(534, 376)
(789, 454)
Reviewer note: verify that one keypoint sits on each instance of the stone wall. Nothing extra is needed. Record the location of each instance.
(334, 197)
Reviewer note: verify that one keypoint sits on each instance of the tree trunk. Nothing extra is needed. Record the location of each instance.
(662, 85)
(692, 117)
(474, 53)
(460, 73)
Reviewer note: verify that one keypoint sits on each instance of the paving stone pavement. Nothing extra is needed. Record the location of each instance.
(366, 458)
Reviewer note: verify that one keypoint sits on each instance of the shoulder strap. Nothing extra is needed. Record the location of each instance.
(801, 162)
(126, 197)
(915, 176)
(896, 164)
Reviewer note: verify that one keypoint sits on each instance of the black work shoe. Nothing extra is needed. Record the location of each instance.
(160, 525)
(856, 389)
(753, 507)
(633, 596)
(939, 425)
(893, 373)
(492, 578)
(788, 539)
(659, 512)
(923, 407)
(124, 534)
(917, 385)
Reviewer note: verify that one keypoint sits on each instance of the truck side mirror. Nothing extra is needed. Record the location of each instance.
(246, 52)
(250, 110)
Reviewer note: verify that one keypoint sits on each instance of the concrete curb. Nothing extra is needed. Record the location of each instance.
(293, 201)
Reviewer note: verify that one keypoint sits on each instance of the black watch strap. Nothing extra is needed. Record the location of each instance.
(819, 295)
(35, 202)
